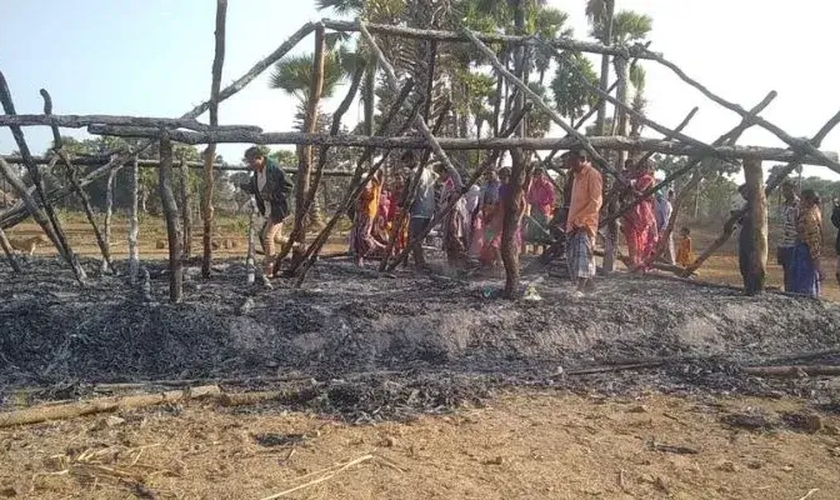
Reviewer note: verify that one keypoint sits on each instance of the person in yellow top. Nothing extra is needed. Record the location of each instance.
(582, 221)
(362, 241)
(684, 254)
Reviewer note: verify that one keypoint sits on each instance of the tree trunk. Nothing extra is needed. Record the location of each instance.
(754, 178)
(133, 253)
(510, 250)
(605, 65)
(186, 212)
(170, 211)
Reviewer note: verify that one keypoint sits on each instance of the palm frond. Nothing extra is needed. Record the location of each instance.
(341, 7)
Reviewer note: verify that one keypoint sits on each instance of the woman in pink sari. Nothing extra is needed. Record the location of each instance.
(640, 222)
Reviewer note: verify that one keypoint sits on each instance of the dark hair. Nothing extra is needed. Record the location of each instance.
(685, 230)
(253, 152)
(505, 171)
(810, 194)
(407, 157)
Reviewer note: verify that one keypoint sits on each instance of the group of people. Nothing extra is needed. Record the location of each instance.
(472, 229)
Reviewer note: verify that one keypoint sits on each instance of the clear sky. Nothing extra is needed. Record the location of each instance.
(153, 58)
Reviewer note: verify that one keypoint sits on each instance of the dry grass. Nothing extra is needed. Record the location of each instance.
(525, 445)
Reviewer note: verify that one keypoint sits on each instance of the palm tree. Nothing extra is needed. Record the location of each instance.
(293, 75)
(571, 95)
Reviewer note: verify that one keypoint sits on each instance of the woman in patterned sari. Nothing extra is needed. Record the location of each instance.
(806, 269)
(640, 222)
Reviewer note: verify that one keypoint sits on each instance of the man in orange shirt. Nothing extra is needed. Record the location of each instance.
(582, 222)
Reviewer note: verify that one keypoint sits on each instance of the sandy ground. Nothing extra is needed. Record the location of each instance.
(527, 444)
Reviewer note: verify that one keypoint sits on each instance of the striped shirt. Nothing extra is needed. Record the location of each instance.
(790, 213)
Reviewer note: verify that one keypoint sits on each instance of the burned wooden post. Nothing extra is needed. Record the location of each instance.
(9, 252)
(133, 249)
(250, 263)
(757, 204)
(184, 205)
(109, 213)
(58, 150)
(170, 211)
(210, 151)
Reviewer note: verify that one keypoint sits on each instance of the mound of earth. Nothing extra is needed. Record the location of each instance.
(345, 320)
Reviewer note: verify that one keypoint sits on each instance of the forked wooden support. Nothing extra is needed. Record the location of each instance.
(210, 151)
(170, 211)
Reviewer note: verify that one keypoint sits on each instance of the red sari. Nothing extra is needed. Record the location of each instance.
(639, 223)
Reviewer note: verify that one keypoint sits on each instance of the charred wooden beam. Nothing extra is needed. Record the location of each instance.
(133, 226)
(210, 152)
(55, 232)
(799, 145)
(82, 121)
(454, 36)
(9, 252)
(618, 143)
(393, 83)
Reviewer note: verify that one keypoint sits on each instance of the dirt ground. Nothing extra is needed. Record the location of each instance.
(437, 387)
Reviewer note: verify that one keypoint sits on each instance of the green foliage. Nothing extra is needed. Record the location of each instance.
(572, 97)
(293, 75)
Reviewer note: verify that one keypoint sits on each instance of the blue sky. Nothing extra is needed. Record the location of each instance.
(153, 57)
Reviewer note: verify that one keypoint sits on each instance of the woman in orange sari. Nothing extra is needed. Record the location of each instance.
(362, 242)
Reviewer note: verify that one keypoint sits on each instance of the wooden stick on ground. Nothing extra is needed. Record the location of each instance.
(170, 210)
(210, 151)
(46, 413)
(793, 371)
(332, 472)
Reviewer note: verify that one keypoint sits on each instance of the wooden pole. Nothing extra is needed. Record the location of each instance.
(601, 120)
(775, 182)
(637, 50)
(170, 211)
(210, 152)
(18, 214)
(133, 249)
(669, 147)
(186, 212)
(58, 150)
(310, 122)
(81, 121)
(408, 198)
(252, 232)
(9, 251)
(754, 178)
(109, 213)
